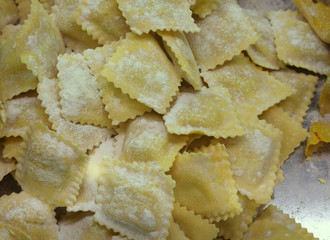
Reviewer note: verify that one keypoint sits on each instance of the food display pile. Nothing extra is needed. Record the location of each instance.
(155, 119)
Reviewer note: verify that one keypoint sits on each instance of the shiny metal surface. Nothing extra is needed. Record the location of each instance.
(301, 195)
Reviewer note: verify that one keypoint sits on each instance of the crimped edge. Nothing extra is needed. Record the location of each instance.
(58, 121)
(143, 169)
(248, 212)
(8, 197)
(279, 175)
(307, 99)
(16, 232)
(234, 203)
(26, 28)
(120, 138)
(183, 68)
(178, 28)
(267, 214)
(281, 54)
(270, 182)
(303, 7)
(116, 122)
(253, 38)
(73, 190)
(170, 98)
(192, 213)
(93, 30)
(203, 11)
(76, 119)
(186, 130)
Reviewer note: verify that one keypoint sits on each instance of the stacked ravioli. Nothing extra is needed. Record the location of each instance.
(152, 119)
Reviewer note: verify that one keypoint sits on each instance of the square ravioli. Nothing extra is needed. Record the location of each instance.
(30, 214)
(296, 105)
(317, 14)
(274, 224)
(199, 112)
(15, 78)
(102, 19)
(75, 38)
(141, 69)
(297, 44)
(83, 136)
(252, 89)
(146, 140)
(80, 98)
(55, 174)
(119, 105)
(234, 228)
(88, 189)
(293, 132)
(193, 225)
(82, 226)
(134, 200)
(152, 15)
(263, 52)
(224, 34)
(254, 159)
(200, 188)
(40, 42)
(20, 112)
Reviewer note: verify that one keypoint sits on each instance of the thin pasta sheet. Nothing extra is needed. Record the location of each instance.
(55, 174)
(224, 34)
(140, 68)
(151, 15)
(297, 44)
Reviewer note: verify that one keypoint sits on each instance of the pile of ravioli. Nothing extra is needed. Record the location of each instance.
(153, 119)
